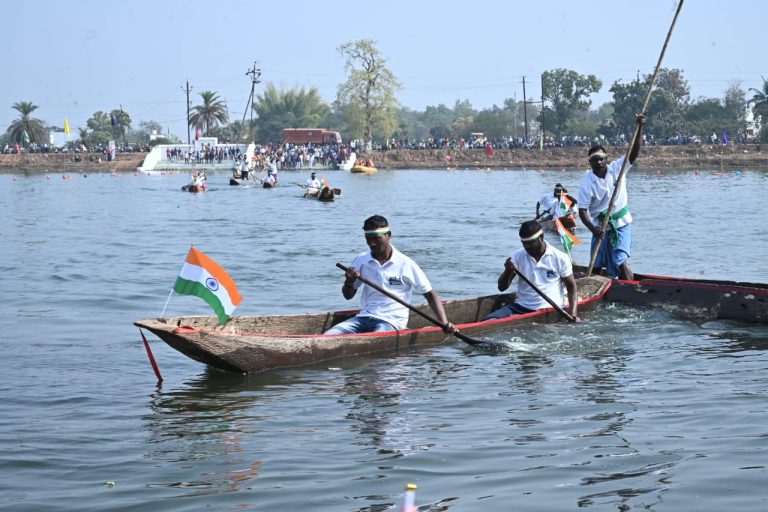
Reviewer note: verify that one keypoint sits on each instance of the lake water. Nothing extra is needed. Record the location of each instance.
(633, 409)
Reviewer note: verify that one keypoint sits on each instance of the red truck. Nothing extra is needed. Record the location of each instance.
(313, 135)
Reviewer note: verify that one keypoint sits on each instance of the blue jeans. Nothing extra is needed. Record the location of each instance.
(360, 324)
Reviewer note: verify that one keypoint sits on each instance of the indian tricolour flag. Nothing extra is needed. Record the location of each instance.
(569, 240)
(203, 277)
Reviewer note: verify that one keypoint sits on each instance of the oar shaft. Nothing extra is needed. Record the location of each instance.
(413, 308)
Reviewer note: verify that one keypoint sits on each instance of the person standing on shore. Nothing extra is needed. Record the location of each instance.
(595, 198)
(394, 272)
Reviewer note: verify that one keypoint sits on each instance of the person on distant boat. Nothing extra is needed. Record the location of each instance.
(369, 163)
(546, 267)
(244, 171)
(393, 271)
(271, 176)
(313, 185)
(550, 206)
(595, 198)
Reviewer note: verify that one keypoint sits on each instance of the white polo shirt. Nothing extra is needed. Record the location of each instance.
(545, 274)
(400, 276)
(595, 193)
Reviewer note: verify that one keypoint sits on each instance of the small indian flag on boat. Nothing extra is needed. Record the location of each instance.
(569, 240)
(205, 278)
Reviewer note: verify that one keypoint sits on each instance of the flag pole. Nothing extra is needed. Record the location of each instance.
(191, 246)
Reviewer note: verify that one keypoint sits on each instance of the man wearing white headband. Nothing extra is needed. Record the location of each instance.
(595, 197)
(393, 271)
(546, 267)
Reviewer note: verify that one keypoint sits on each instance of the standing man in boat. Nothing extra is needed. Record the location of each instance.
(393, 271)
(546, 267)
(595, 197)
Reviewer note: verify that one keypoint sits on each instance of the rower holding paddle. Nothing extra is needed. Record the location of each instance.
(392, 272)
(544, 271)
(596, 195)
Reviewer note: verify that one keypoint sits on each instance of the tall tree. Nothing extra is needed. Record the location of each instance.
(735, 108)
(294, 108)
(568, 95)
(121, 123)
(759, 104)
(102, 130)
(211, 113)
(369, 92)
(33, 128)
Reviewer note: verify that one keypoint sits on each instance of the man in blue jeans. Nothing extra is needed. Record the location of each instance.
(391, 270)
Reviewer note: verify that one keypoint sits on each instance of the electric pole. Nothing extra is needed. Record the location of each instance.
(255, 74)
(188, 90)
(542, 111)
(125, 144)
(525, 112)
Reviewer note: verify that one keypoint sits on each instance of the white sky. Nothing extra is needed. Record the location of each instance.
(75, 58)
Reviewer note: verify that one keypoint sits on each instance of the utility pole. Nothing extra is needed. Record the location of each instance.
(525, 112)
(188, 90)
(125, 144)
(542, 112)
(255, 74)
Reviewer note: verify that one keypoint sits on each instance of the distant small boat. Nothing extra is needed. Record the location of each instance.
(194, 188)
(363, 169)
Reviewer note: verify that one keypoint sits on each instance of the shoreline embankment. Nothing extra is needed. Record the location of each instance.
(738, 156)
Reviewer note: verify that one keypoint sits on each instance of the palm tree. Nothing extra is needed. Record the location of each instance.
(34, 128)
(760, 100)
(211, 113)
(85, 137)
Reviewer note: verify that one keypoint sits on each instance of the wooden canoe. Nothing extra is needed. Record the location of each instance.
(704, 299)
(362, 169)
(258, 343)
(194, 188)
(325, 194)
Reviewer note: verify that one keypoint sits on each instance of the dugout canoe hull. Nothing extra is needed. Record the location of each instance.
(703, 299)
(258, 343)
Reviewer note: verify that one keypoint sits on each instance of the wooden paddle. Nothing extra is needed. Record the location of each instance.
(544, 296)
(462, 337)
(632, 144)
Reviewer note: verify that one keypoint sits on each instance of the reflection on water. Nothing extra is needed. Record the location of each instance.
(632, 409)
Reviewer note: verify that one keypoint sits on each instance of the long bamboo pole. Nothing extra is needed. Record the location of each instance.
(633, 141)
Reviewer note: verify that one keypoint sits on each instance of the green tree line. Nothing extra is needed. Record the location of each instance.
(366, 108)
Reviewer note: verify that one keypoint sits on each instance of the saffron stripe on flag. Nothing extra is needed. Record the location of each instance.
(199, 259)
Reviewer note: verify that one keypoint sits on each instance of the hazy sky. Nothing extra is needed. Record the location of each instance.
(75, 58)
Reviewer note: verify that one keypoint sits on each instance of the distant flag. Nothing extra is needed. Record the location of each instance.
(197, 134)
(541, 142)
(565, 203)
(569, 240)
(113, 120)
(66, 127)
(202, 276)
(25, 137)
(725, 137)
(169, 128)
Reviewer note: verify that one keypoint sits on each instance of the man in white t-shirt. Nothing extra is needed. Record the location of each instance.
(595, 198)
(546, 267)
(393, 271)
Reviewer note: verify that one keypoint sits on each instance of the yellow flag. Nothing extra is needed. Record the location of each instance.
(66, 127)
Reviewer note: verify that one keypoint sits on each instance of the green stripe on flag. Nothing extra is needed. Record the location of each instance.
(187, 287)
